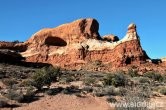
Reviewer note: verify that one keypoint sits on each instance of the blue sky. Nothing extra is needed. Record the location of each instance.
(19, 19)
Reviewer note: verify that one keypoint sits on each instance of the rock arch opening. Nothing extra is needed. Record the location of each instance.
(128, 61)
(55, 41)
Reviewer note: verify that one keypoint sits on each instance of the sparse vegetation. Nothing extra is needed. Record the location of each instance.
(111, 100)
(132, 97)
(45, 76)
(25, 88)
(89, 81)
(14, 95)
(117, 79)
(87, 89)
(163, 91)
(144, 80)
(133, 73)
(154, 76)
(9, 82)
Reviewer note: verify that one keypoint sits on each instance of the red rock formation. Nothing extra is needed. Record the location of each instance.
(75, 44)
(110, 38)
(163, 61)
(78, 43)
(6, 45)
(9, 56)
(74, 32)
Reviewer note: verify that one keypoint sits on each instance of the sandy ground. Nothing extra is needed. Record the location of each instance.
(158, 103)
(67, 102)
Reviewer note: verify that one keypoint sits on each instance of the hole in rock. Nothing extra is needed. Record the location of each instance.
(128, 61)
(55, 41)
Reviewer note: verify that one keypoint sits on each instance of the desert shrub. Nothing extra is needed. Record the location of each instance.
(71, 90)
(108, 79)
(97, 62)
(29, 95)
(133, 73)
(144, 80)
(131, 98)
(45, 76)
(9, 82)
(111, 100)
(78, 94)
(66, 80)
(164, 77)
(106, 91)
(53, 91)
(110, 90)
(50, 92)
(26, 83)
(118, 79)
(98, 92)
(87, 89)
(88, 81)
(21, 97)
(13, 95)
(144, 90)
(3, 102)
(163, 91)
(122, 91)
(154, 76)
(66, 91)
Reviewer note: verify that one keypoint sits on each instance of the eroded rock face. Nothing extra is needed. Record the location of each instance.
(78, 43)
(65, 34)
(7, 45)
(110, 38)
(163, 61)
(9, 56)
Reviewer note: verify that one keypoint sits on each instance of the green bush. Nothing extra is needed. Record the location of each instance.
(164, 77)
(133, 73)
(144, 80)
(154, 76)
(111, 100)
(26, 83)
(29, 95)
(45, 76)
(110, 90)
(88, 81)
(9, 82)
(132, 97)
(87, 89)
(19, 96)
(66, 80)
(98, 92)
(163, 91)
(118, 79)
(122, 91)
(13, 95)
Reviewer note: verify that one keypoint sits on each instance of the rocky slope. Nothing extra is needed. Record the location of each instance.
(75, 44)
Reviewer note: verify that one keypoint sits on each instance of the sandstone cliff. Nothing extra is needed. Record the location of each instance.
(77, 43)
